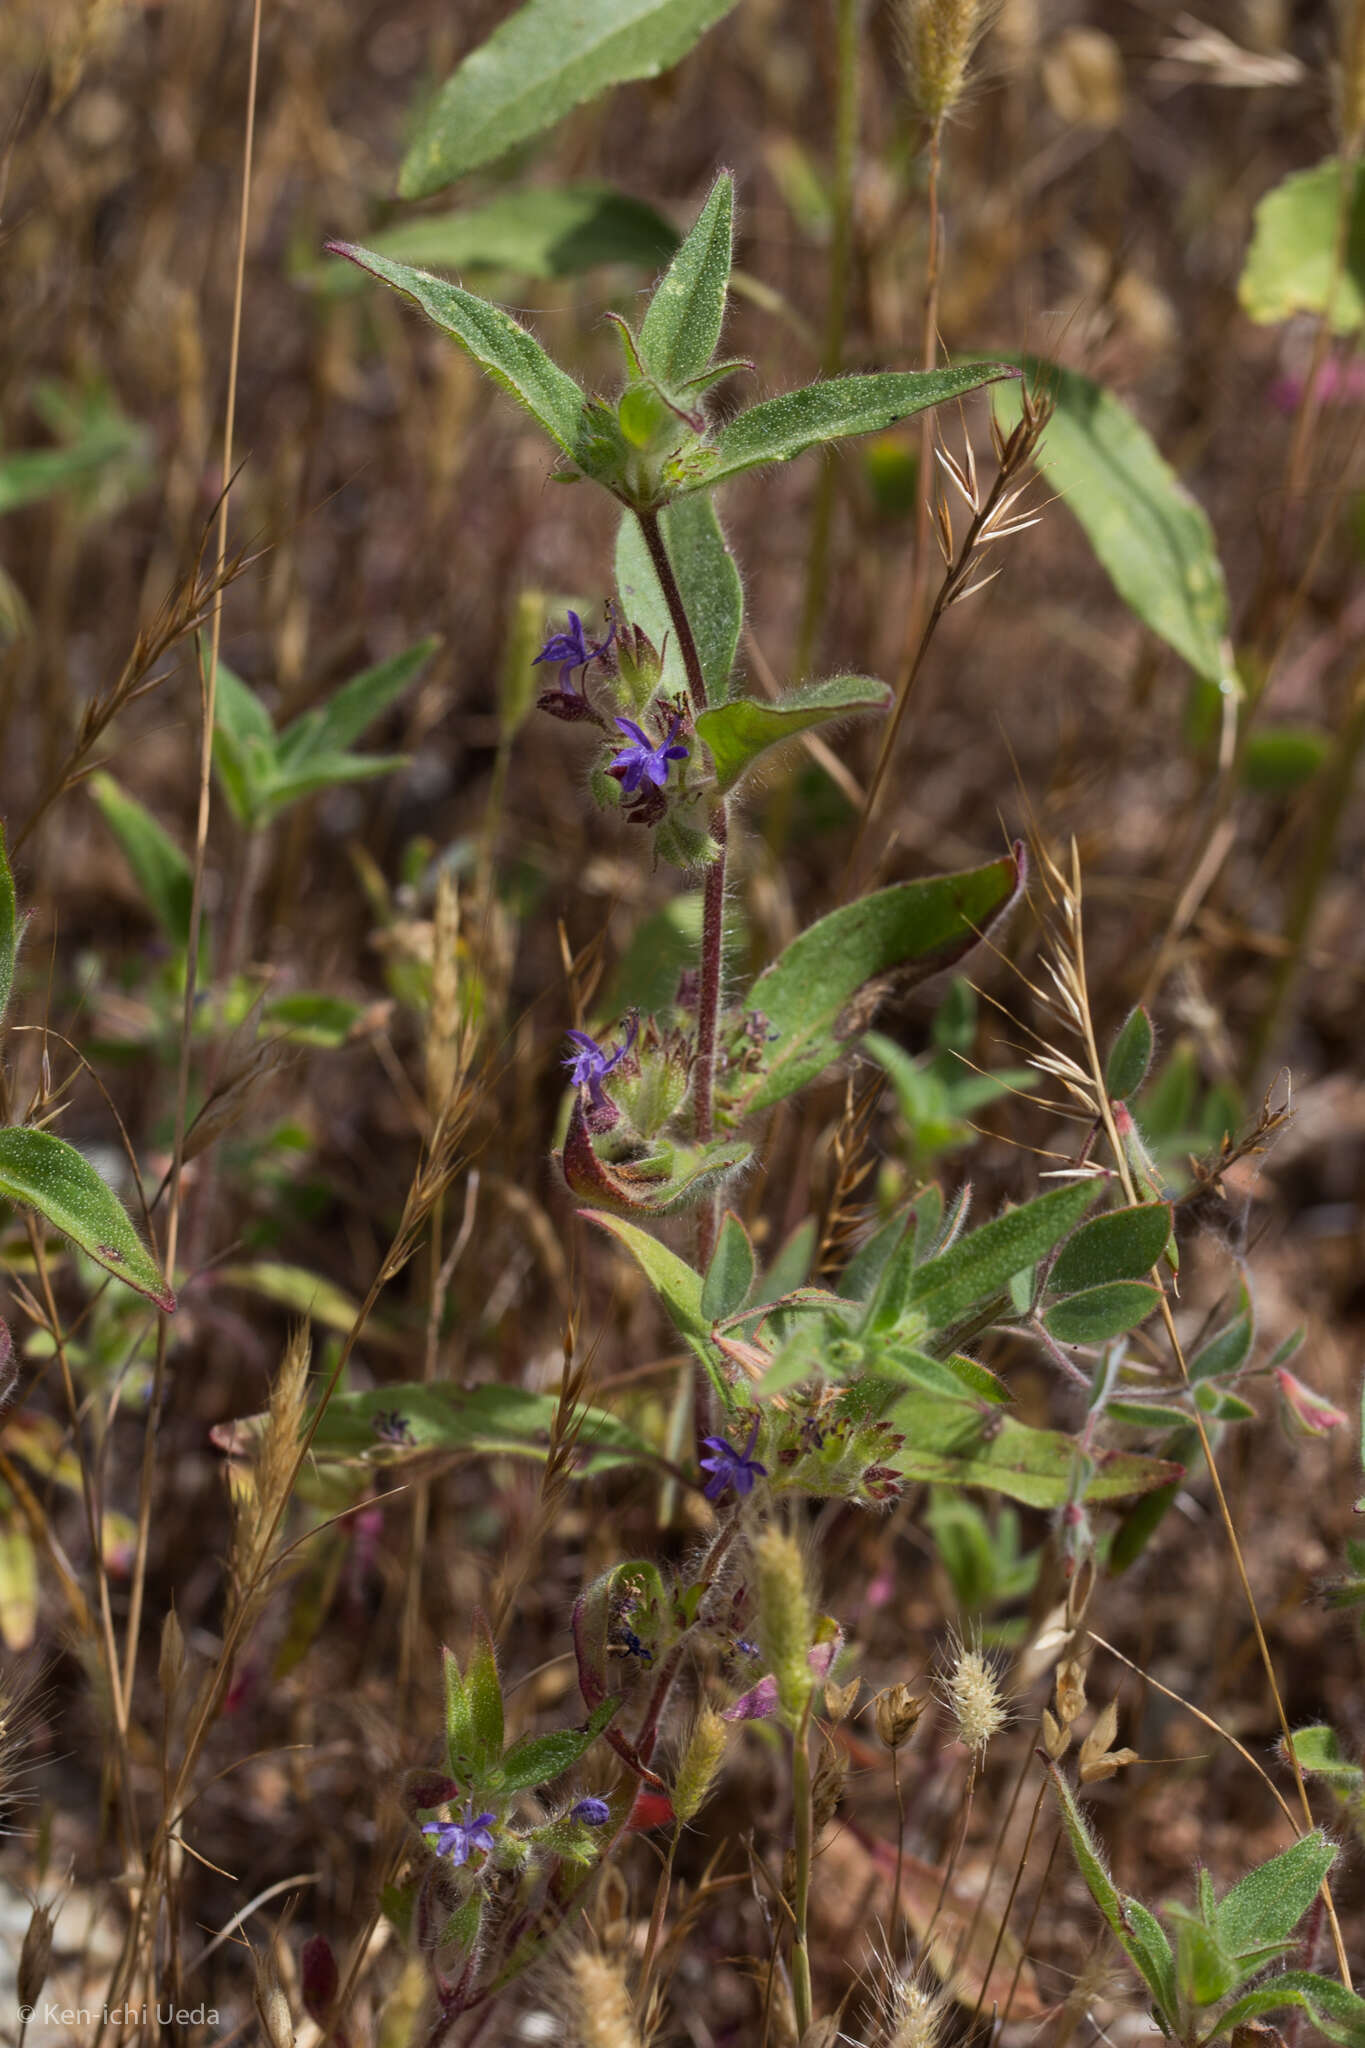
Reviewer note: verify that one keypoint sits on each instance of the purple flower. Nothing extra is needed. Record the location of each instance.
(643, 762)
(458, 1838)
(589, 1064)
(594, 1813)
(571, 651)
(731, 1468)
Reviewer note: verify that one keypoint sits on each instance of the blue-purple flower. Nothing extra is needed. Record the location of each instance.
(589, 1063)
(644, 760)
(457, 1839)
(594, 1813)
(571, 650)
(731, 1470)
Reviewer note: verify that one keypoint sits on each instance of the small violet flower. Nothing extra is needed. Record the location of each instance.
(594, 1813)
(642, 761)
(730, 1468)
(590, 1064)
(457, 1839)
(571, 651)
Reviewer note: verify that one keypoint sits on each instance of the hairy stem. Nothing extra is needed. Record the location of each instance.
(713, 906)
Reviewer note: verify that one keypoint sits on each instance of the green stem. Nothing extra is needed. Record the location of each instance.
(802, 1846)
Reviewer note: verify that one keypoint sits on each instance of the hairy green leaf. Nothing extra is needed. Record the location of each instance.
(539, 1759)
(1318, 1752)
(541, 62)
(551, 231)
(708, 579)
(1270, 1901)
(945, 1445)
(1123, 1244)
(1141, 1938)
(45, 1173)
(730, 1275)
(510, 356)
(1098, 1313)
(781, 428)
(1153, 539)
(1291, 266)
(909, 931)
(739, 732)
(1130, 1056)
(1337, 2014)
(483, 1690)
(677, 1286)
(981, 1263)
(412, 1418)
(682, 326)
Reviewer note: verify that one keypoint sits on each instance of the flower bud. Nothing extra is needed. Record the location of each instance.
(318, 1977)
(1305, 1412)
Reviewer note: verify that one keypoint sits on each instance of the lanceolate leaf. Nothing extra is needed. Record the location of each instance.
(981, 1263)
(1140, 1937)
(335, 726)
(781, 428)
(710, 586)
(910, 931)
(737, 733)
(547, 58)
(1270, 1901)
(411, 1419)
(552, 231)
(946, 1445)
(730, 1275)
(682, 327)
(511, 356)
(1291, 266)
(9, 928)
(1153, 539)
(1098, 1313)
(45, 1173)
(1123, 1244)
(537, 1759)
(677, 1286)
(1130, 1056)
(161, 869)
(1337, 2014)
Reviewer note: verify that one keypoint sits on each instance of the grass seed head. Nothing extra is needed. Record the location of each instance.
(701, 1761)
(916, 2015)
(786, 1624)
(937, 39)
(600, 2003)
(972, 1695)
